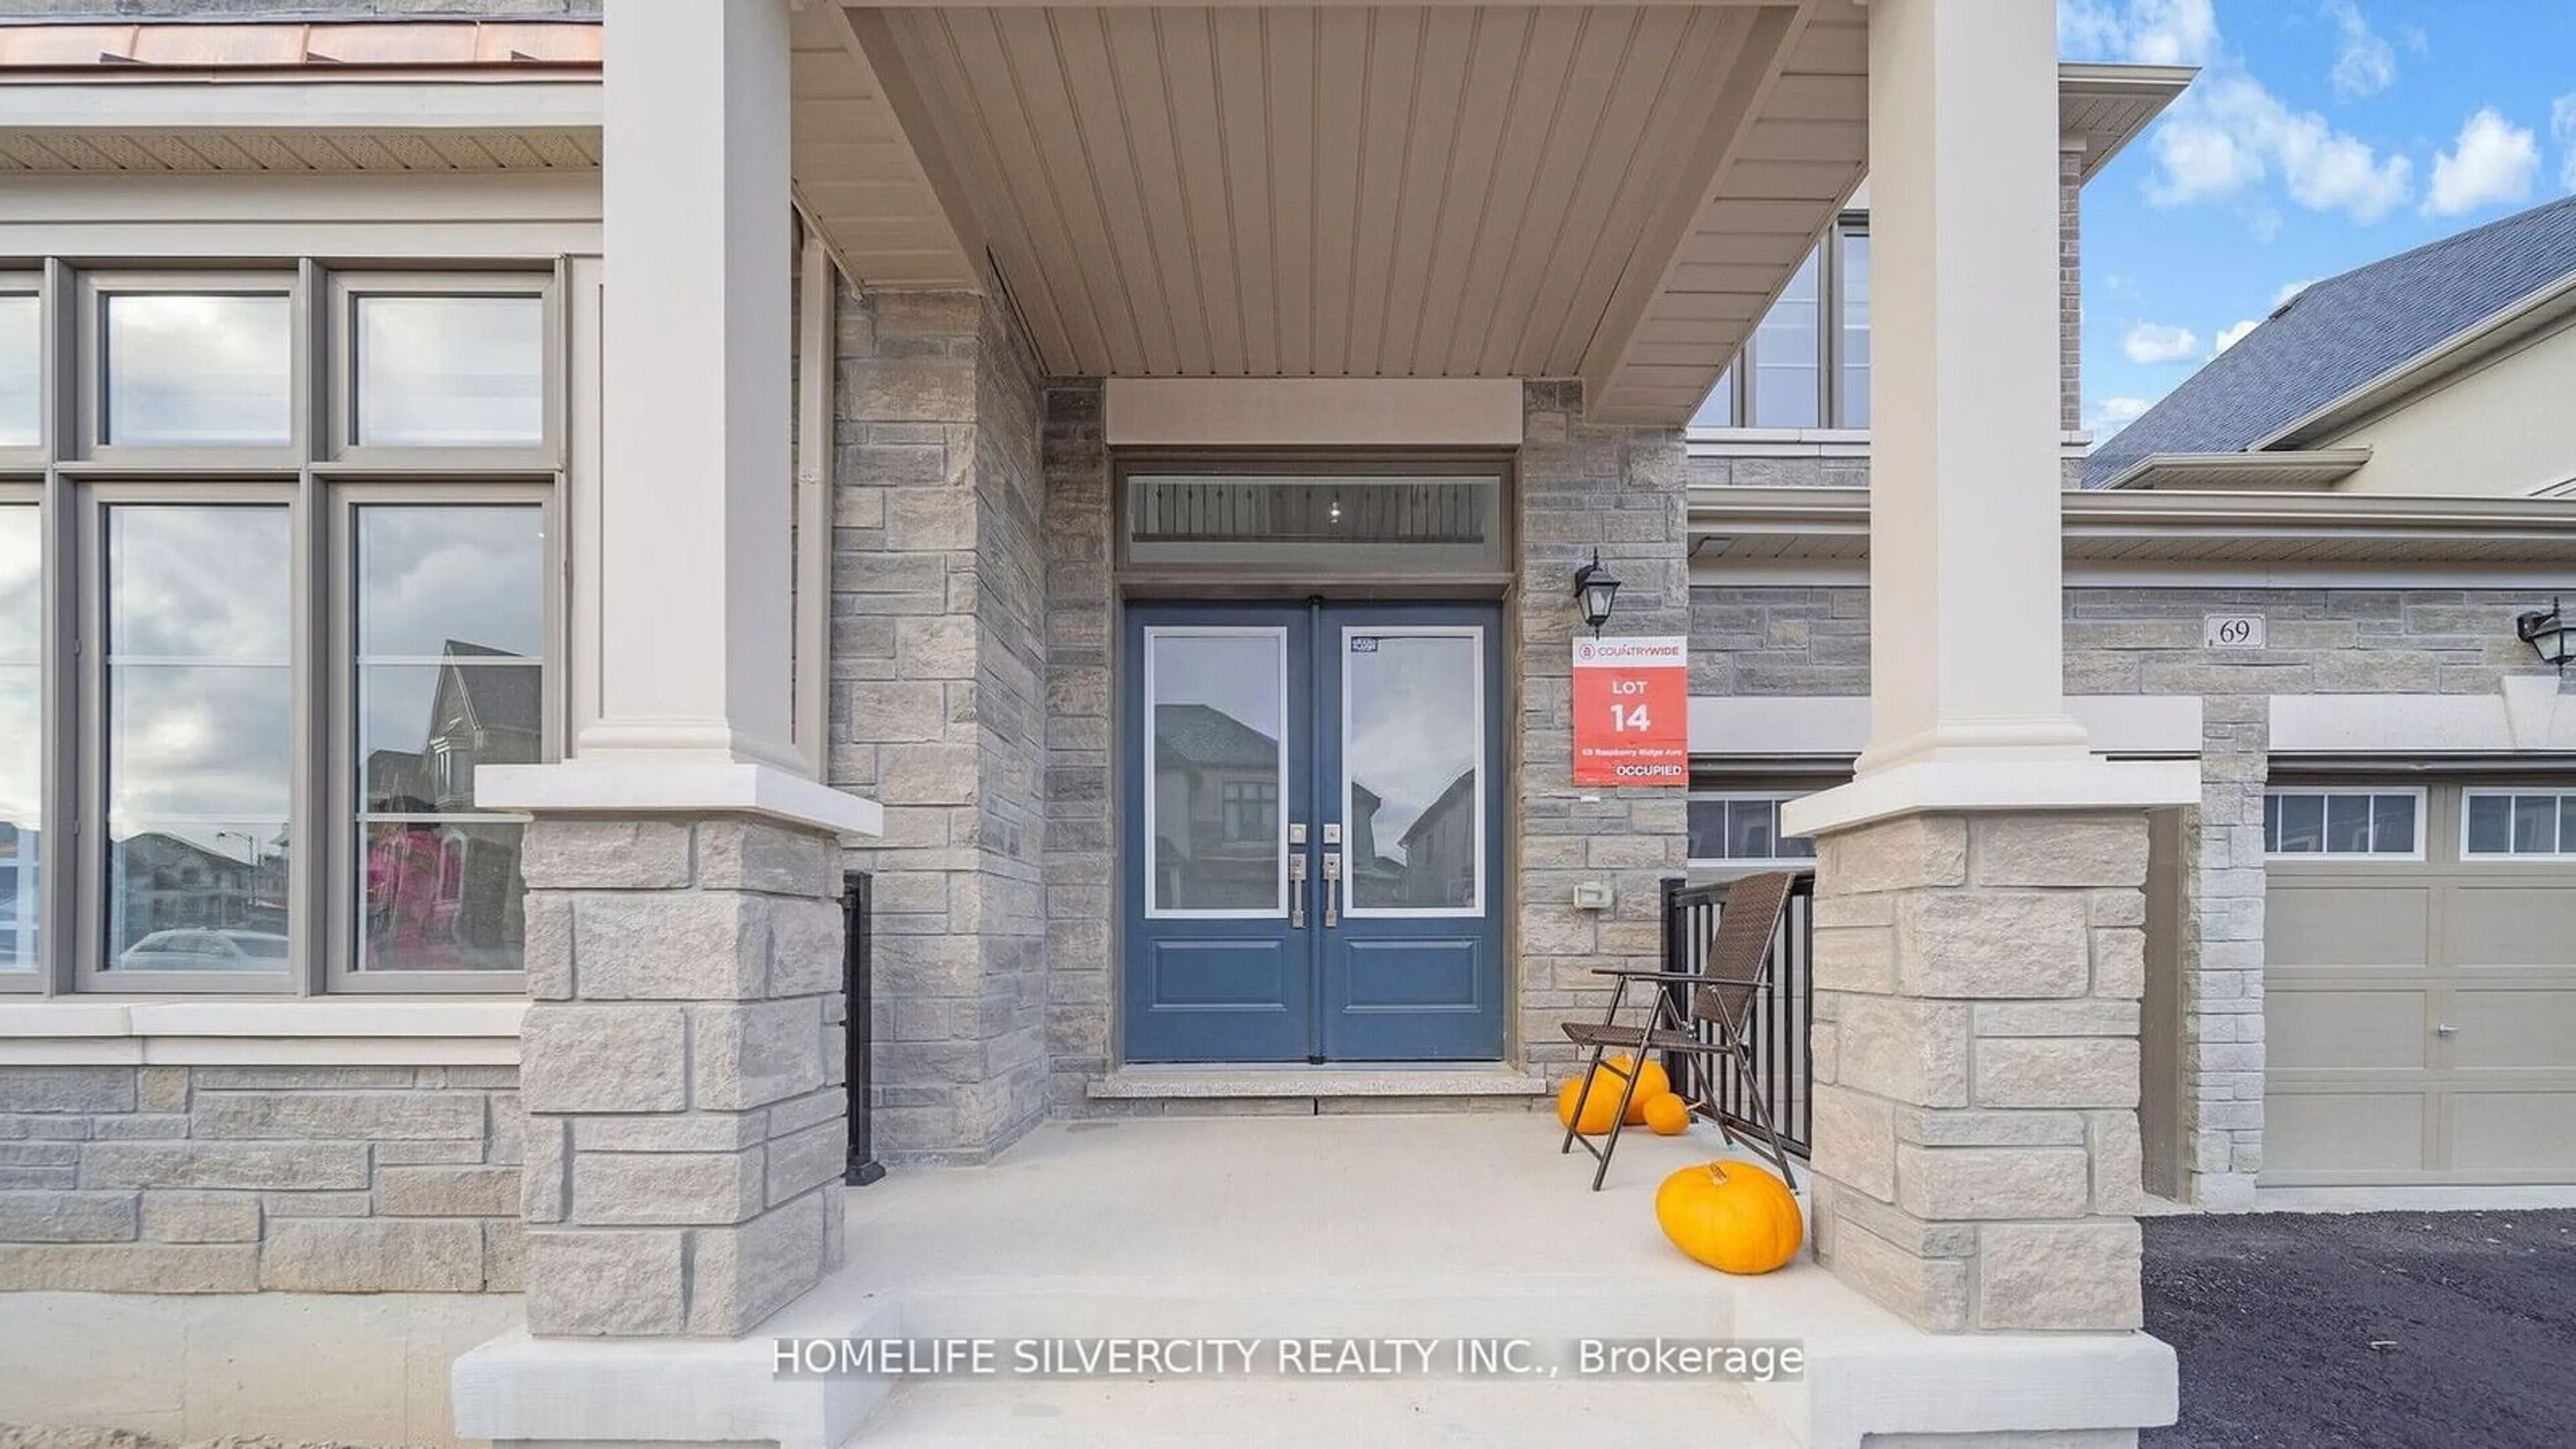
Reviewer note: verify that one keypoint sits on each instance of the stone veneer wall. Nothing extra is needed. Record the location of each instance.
(1081, 829)
(176, 1179)
(1815, 641)
(1621, 491)
(938, 706)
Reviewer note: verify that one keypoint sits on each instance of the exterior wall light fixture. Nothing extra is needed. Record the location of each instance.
(1595, 589)
(2546, 631)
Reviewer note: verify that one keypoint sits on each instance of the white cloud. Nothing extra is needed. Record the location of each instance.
(2492, 162)
(2234, 335)
(2228, 133)
(2562, 129)
(2149, 32)
(2149, 343)
(2365, 63)
(2112, 414)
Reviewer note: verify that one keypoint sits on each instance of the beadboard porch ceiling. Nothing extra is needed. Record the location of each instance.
(1452, 189)
(1347, 190)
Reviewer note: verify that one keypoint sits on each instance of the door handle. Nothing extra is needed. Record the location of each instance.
(2446, 1029)
(1297, 890)
(1332, 888)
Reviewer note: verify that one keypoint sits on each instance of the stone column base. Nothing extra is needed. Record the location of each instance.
(682, 1072)
(1976, 1133)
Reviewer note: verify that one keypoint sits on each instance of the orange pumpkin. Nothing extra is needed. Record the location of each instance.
(1599, 1111)
(1650, 1085)
(1733, 1216)
(1668, 1115)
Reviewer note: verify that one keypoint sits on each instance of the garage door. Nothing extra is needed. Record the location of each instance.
(2420, 985)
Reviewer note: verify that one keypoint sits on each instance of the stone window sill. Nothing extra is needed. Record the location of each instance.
(93, 1031)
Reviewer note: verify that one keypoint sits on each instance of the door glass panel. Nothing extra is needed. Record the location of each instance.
(1413, 733)
(1213, 839)
(21, 370)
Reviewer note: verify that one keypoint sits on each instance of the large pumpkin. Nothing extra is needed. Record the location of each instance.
(1614, 1079)
(1668, 1115)
(1733, 1216)
(1600, 1110)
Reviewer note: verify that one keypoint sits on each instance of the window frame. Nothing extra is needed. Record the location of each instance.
(1748, 865)
(1742, 368)
(2423, 825)
(73, 475)
(340, 952)
(31, 458)
(339, 376)
(2471, 793)
(88, 392)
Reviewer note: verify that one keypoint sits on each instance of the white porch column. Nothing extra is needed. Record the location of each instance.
(680, 1063)
(1979, 946)
(695, 447)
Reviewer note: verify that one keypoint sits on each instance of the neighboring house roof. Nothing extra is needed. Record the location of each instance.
(1200, 734)
(2376, 331)
(504, 699)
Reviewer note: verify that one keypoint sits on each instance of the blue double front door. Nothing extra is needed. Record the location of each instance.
(1312, 832)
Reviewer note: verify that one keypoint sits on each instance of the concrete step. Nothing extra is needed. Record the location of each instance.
(1551, 1307)
(1260, 1412)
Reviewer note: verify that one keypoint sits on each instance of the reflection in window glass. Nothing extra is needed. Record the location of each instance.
(451, 371)
(1851, 396)
(21, 370)
(2490, 824)
(2393, 825)
(1785, 356)
(1219, 708)
(209, 371)
(21, 821)
(451, 606)
(1413, 751)
(199, 693)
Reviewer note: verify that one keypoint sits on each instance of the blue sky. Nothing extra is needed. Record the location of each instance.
(2321, 135)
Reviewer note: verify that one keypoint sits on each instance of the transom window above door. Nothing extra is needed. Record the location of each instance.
(1297, 522)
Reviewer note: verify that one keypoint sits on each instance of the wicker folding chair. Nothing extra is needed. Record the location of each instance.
(1722, 998)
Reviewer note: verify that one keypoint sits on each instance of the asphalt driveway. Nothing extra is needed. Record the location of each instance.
(2362, 1330)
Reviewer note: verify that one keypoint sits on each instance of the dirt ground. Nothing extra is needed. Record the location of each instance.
(2364, 1330)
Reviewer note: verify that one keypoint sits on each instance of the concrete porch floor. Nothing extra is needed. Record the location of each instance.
(1373, 1226)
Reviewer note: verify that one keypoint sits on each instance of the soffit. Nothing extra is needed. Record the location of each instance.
(863, 170)
(289, 98)
(1349, 190)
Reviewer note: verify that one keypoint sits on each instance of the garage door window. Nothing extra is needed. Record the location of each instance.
(2344, 824)
(2523, 824)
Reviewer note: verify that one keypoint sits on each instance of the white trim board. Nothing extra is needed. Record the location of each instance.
(87, 1031)
(2528, 715)
(1837, 726)
(1208, 412)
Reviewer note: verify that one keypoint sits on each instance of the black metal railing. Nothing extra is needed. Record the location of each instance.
(858, 989)
(1782, 1015)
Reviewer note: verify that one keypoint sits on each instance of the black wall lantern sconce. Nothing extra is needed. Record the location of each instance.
(2546, 631)
(1595, 589)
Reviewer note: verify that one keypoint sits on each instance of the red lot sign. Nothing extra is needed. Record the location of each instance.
(1632, 711)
